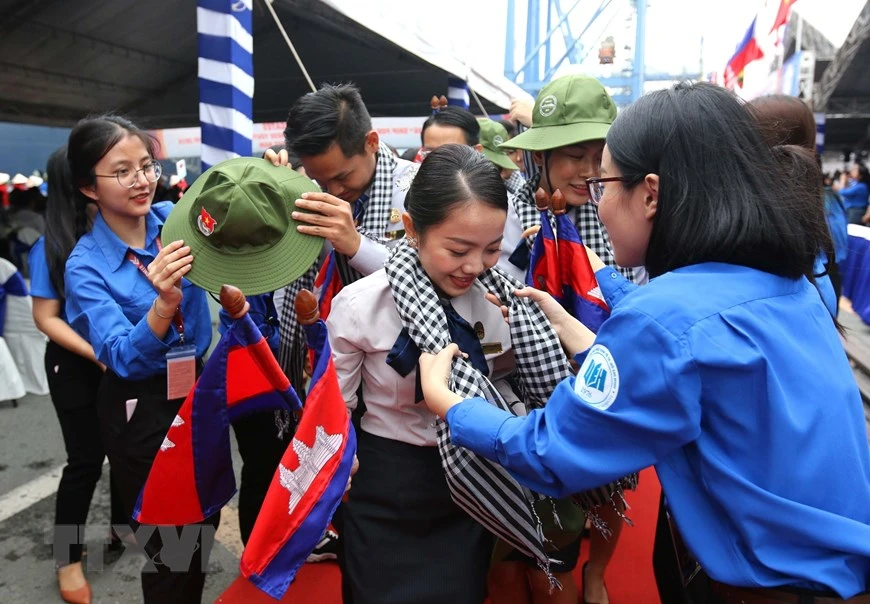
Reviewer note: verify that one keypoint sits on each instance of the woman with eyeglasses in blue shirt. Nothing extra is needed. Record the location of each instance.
(126, 295)
(726, 372)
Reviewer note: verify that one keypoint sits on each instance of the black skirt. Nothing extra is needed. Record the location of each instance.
(405, 540)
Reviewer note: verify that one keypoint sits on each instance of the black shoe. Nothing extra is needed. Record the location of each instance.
(116, 544)
(326, 549)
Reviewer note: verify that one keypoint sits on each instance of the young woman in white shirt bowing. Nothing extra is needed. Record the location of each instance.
(400, 509)
(405, 539)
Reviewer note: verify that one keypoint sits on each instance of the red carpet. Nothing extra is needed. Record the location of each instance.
(629, 576)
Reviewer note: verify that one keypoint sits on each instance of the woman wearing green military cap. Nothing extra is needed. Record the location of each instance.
(569, 123)
(570, 119)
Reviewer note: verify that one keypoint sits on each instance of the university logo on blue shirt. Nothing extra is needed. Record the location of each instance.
(595, 376)
(600, 379)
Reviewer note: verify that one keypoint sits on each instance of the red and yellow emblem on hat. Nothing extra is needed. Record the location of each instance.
(205, 222)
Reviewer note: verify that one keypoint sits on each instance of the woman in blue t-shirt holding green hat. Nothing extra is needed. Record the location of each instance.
(570, 121)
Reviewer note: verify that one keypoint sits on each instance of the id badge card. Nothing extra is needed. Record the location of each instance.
(180, 371)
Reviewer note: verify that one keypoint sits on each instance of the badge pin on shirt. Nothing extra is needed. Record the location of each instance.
(478, 331)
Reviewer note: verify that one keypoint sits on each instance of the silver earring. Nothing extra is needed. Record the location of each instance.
(412, 241)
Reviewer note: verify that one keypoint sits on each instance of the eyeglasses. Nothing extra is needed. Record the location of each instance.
(128, 178)
(596, 187)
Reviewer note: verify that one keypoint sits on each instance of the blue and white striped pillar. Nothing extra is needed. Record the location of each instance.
(457, 93)
(226, 79)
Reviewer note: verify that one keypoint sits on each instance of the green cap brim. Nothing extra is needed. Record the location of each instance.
(254, 273)
(544, 138)
(499, 159)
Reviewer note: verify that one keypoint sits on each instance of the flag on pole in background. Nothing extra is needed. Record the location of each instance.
(747, 51)
(782, 14)
(310, 480)
(457, 93)
(192, 475)
(226, 79)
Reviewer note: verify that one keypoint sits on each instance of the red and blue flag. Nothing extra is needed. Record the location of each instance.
(560, 266)
(544, 273)
(192, 475)
(310, 480)
(581, 295)
(747, 51)
(327, 284)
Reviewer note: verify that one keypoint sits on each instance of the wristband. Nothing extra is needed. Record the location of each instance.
(157, 312)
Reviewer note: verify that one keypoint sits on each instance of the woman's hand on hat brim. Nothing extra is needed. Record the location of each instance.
(166, 270)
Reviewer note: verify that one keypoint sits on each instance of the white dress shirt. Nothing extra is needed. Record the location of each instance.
(371, 254)
(513, 235)
(363, 327)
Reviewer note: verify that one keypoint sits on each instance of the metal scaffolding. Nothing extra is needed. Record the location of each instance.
(546, 19)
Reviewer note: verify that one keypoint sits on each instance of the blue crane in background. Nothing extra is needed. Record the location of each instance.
(546, 19)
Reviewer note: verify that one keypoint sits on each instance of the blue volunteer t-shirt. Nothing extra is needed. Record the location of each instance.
(40, 278)
(755, 426)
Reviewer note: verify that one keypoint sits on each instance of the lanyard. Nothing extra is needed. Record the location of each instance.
(177, 319)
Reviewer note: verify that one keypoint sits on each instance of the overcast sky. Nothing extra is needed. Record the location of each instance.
(476, 29)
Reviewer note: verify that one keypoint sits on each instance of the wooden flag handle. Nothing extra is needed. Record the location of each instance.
(557, 203)
(233, 301)
(307, 310)
(542, 200)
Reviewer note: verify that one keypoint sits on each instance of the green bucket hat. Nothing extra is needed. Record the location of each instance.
(570, 110)
(236, 219)
(492, 134)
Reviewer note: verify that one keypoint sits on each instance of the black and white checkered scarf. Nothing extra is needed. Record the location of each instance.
(375, 219)
(514, 182)
(479, 486)
(586, 220)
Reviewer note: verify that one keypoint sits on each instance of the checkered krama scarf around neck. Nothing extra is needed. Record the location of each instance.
(479, 486)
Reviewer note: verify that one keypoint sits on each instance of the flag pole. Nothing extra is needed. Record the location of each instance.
(268, 4)
(477, 100)
(798, 33)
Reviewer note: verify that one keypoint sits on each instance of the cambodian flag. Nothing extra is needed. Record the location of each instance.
(327, 284)
(309, 482)
(559, 266)
(581, 295)
(544, 272)
(192, 475)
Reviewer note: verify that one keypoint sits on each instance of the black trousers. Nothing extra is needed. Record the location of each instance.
(131, 447)
(261, 450)
(669, 579)
(73, 382)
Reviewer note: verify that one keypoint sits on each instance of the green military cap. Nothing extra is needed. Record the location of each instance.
(493, 134)
(236, 219)
(568, 111)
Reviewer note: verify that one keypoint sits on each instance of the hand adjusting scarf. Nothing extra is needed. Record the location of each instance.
(481, 487)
